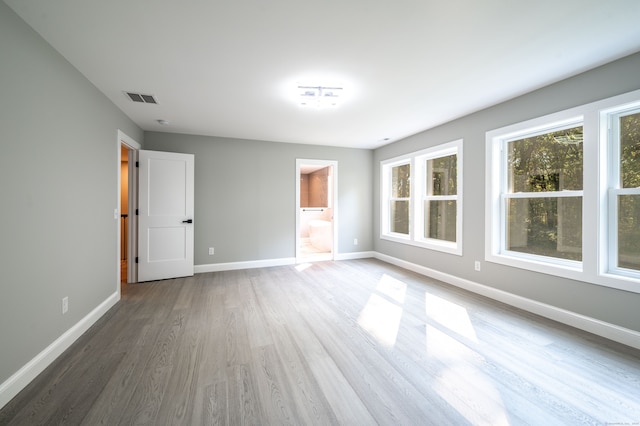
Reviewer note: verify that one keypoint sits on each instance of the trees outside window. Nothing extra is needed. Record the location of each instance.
(400, 202)
(625, 191)
(440, 198)
(543, 197)
(563, 193)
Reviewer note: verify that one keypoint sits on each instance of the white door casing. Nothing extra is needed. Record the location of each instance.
(165, 217)
(333, 195)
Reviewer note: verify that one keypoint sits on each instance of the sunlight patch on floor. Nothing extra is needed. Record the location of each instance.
(450, 315)
(302, 266)
(392, 287)
(462, 383)
(381, 319)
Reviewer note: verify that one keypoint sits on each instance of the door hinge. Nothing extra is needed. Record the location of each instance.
(137, 212)
(136, 259)
(137, 164)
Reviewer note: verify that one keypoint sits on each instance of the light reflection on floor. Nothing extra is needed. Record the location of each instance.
(302, 266)
(392, 287)
(463, 385)
(450, 315)
(381, 319)
(461, 381)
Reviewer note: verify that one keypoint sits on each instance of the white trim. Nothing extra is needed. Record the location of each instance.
(611, 190)
(355, 255)
(134, 147)
(127, 140)
(232, 266)
(596, 265)
(132, 266)
(416, 161)
(497, 193)
(386, 168)
(20, 379)
(601, 328)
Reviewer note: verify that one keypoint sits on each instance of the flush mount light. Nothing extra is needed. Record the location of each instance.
(319, 96)
(163, 122)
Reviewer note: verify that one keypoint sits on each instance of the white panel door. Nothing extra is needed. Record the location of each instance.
(165, 217)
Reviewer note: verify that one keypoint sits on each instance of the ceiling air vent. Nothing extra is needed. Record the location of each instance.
(139, 97)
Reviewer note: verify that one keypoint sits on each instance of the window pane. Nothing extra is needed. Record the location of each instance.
(548, 162)
(443, 175)
(400, 217)
(440, 223)
(629, 231)
(630, 151)
(400, 181)
(545, 226)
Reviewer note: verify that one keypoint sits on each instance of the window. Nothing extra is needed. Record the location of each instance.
(421, 198)
(400, 201)
(563, 193)
(543, 193)
(439, 198)
(624, 192)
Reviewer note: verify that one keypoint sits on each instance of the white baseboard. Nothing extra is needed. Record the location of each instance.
(601, 328)
(231, 266)
(19, 380)
(356, 255)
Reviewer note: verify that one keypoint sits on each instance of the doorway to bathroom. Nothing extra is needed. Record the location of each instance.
(316, 210)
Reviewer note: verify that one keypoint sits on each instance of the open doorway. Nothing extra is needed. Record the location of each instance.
(316, 209)
(125, 213)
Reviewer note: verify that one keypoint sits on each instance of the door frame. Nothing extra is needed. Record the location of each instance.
(132, 246)
(334, 203)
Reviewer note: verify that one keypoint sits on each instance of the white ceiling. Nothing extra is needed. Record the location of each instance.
(228, 67)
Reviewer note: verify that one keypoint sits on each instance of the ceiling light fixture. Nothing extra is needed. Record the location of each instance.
(319, 96)
(162, 122)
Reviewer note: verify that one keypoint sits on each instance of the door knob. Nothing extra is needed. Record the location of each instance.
(188, 221)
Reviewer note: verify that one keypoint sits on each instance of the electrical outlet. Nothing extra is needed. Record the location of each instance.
(355, 241)
(477, 265)
(211, 251)
(65, 305)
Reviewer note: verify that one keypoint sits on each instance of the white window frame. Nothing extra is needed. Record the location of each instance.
(418, 161)
(610, 121)
(387, 200)
(597, 266)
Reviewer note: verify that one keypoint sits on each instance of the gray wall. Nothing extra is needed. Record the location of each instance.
(613, 306)
(245, 195)
(58, 169)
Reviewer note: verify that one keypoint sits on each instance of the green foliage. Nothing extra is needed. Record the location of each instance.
(444, 175)
(400, 188)
(629, 205)
(548, 162)
(630, 151)
(401, 181)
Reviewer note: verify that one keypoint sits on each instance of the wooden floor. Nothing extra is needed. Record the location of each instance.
(353, 342)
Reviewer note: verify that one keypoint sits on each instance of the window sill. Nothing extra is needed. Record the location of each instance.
(444, 246)
(567, 269)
